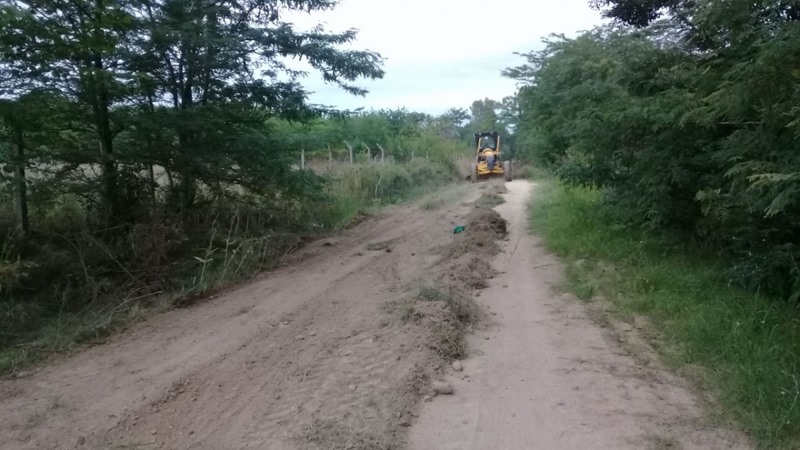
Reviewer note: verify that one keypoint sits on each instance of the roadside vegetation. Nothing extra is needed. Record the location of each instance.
(674, 134)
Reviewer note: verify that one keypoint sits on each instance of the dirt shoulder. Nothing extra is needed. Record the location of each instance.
(543, 374)
(308, 356)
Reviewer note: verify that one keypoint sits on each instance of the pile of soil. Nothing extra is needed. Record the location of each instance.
(469, 271)
(487, 220)
(465, 266)
(483, 228)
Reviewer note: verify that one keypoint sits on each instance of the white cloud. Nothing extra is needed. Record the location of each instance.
(442, 53)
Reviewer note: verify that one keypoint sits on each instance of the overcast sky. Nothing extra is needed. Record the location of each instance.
(442, 53)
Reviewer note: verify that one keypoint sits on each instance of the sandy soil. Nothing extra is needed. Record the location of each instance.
(543, 375)
(313, 356)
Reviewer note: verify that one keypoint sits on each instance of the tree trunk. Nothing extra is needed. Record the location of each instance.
(170, 180)
(103, 123)
(151, 170)
(153, 185)
(188, 180)
(22, 187)
(186, 137)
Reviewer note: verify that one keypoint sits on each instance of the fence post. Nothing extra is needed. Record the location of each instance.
(369, 153)
(383, 153)
(350, 148)
(330, 156)
(302, 159)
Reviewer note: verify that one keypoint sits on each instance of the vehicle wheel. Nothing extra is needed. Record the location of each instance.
(507, 170)
(473, 173)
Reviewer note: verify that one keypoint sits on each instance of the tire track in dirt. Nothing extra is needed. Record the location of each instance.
(292, 387)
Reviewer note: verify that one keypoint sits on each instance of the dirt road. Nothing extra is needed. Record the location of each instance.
(315, 355)
(543, 375)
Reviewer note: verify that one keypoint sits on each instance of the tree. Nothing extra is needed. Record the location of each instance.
(484, 115)
(451, 124)
(638, 13)
(71, 47)
(210, 60)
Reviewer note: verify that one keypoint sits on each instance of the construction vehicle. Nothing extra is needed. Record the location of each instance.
(487, 162)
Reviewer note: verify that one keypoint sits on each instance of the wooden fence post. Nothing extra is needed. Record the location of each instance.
(350, 148)
(368, 152)
(383, 153)
(302, 159)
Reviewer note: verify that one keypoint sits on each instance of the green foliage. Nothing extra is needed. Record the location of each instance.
(747, 345)
(638, 13)
(689, 125)
(403, 135)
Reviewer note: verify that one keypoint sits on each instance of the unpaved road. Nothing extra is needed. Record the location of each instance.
(310, 356)
(543, 375)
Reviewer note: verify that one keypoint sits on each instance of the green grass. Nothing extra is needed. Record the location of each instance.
(366, 187)
(746, 346)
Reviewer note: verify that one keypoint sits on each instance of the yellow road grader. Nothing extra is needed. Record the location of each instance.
(487, 162)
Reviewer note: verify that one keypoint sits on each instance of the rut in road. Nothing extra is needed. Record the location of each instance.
(308, 356)
(543, 375)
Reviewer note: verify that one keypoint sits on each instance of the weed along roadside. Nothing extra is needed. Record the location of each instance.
(740, 348)
(227, 246)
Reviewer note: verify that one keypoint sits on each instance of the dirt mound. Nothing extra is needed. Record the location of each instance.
(446, 308)
(469, 271)
(483, 228)
(487, 220)
(489, 200)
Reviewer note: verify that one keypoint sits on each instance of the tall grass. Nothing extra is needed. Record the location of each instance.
(746, 346)
(365, 187)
